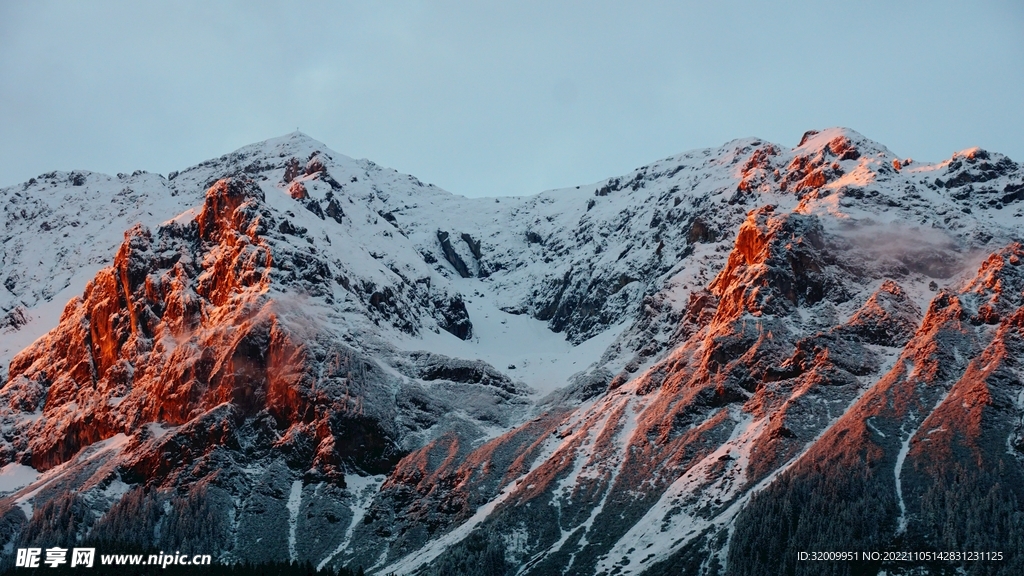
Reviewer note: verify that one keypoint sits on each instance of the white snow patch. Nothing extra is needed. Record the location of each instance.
(363, 489)
(115, 443)
(586, 466)
(873, 428)
(435, 548)
(14, 477)
(522, 347)
(669, 523)
(900, 458)
(183, 218)
(44, 316)
(116, 489)
(158, 430)
(294, 500)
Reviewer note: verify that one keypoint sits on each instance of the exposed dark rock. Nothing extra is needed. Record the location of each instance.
(286, 227)
(291, 169)
(451, 255)
(474, 245)
(700, 232)
(455, 318)
(13, 319)
(334, 211)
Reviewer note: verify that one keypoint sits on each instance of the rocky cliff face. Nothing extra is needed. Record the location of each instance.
(191, 363)
(750, 352)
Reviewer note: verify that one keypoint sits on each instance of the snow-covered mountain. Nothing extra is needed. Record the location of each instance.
(707, 365)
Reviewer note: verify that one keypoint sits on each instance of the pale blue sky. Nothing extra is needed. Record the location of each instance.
(488, 98)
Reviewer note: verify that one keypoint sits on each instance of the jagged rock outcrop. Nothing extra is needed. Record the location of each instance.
(187, 361)
(897, 463)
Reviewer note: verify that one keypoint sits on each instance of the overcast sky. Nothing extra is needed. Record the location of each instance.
(488, 98)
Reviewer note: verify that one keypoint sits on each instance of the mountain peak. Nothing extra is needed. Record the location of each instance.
(836, 139)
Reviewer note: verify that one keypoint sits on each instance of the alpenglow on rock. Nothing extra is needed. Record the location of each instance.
(705, 366)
